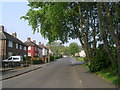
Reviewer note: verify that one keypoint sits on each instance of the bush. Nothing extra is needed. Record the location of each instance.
(36, 60)
(58, 56)
(51, 58)
(100, 61)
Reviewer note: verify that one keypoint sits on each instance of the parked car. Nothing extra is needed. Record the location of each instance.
(14, 59)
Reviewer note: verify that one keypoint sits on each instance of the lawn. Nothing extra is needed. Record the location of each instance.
(80, 58)
(108, 74)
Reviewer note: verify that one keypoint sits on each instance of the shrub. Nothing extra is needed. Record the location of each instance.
(100, 61)
(58, 56)
(36, 60)
(51, 58)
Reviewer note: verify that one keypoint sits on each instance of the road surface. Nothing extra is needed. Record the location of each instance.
(59, 74)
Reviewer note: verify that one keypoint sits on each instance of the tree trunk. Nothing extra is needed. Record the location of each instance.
(109, 24)
(94, 35)
(115, 37)
(103, 33)
(85, 38)
(94, 32)
(118, 50)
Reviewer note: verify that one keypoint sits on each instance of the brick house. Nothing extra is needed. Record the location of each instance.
(50, 51)
(11, 45)
(33, 48)
(45, 52)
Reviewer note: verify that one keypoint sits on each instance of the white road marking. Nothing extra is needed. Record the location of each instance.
(81, 86)
(80, 81)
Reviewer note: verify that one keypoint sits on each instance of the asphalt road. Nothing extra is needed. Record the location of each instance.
(63, 73)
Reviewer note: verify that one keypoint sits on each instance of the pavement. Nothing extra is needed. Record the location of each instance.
(20, 71)
(62, 73)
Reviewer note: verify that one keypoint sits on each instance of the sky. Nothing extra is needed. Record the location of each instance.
(10, 19)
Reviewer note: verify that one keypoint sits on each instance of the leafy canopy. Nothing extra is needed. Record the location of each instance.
(74, 48)
(52, 19)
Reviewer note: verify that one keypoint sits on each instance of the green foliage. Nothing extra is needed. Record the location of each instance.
(74, 48)
(25, 58)
(66, 51)
(52, 58)
(100, 61)
(56, 47)
(70, 20)
(58, 56)
(52, 19)
(110, 75)
(36, 60)
(80, 59)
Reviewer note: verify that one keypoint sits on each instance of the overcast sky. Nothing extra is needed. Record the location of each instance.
(10, 19)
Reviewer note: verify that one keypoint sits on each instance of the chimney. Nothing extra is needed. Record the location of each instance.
(34, 41)
(28, 39)
(1, 28)
(42, 44)
(39, 43)
(14, 34)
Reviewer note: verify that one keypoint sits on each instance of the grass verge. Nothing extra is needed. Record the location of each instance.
(80, 59)
(107, 74)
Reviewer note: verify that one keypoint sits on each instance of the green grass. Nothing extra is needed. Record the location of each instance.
(109, 76)
(80, 58)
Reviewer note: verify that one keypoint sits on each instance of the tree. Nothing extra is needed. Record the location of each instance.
(74, 48)
(56, 47)
(93, 25)
(66, 51)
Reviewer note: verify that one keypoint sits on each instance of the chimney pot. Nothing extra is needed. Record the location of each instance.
(1, 28)
(34, 41)
(14, 34)
(28, 39)
(39, 43)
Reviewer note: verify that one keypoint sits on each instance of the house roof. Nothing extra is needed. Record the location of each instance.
(42, 46)
(6, 36)
(30, 43)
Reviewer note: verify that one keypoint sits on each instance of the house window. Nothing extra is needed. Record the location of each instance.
(10, 44)
(25, 55)
(29, 48)
(35, 48)
(29, 54)
(16, 46)
(20, 46)
(35, 54)
(9, 53)
(25, 48)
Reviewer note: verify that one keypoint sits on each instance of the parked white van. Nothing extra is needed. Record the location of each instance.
(14, 59)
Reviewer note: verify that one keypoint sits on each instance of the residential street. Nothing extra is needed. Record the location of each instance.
(63, 73)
